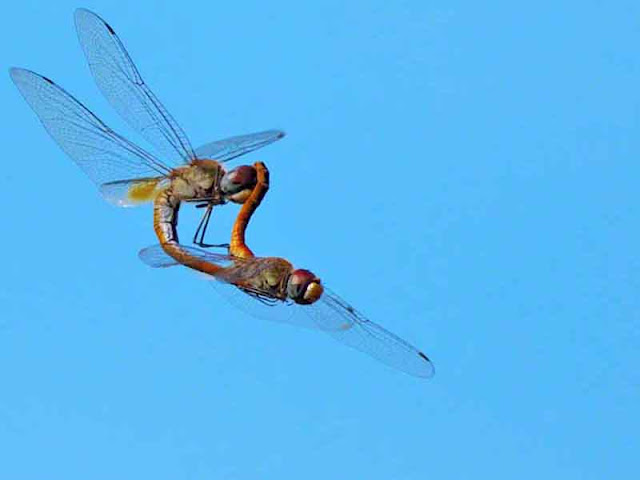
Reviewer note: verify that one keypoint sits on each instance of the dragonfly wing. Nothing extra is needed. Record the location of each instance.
(121, 84)
(130, 193)
(340, 320)
(233, 147)
(104, 155)
(155, 257)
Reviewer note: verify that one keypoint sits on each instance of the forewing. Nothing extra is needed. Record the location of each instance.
(233, 147)
(121, 84)
(101, 153)
(340, 320)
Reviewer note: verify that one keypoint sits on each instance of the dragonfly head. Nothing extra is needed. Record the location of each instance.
(304, 287)
(237, 184)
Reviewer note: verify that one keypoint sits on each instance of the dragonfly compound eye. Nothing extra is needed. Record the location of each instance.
(237, 184)
(304, 287)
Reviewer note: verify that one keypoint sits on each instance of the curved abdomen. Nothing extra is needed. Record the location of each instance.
(165, 222)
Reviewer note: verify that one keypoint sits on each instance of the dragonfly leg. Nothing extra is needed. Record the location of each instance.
(238, 247)
(202, 226)
(198, 238)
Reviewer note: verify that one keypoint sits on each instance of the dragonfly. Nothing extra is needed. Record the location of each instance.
(271, 288)
(125, 173)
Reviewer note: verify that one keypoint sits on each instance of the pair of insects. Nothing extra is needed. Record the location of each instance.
(126, 175)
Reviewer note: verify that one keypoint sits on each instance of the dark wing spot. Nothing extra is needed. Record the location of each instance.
(111, 31)
(48, 80)
(424, 356)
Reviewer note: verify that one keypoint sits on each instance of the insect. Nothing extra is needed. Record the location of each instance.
(271, 288)
(125, 173)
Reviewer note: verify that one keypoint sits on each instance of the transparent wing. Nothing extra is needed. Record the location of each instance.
(121, 84)
(155, 257)
(233, 147)
(101, 153)
(340, 320)
(130, 193)
(337, 319)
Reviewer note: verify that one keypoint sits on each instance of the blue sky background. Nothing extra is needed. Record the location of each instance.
(465, 173)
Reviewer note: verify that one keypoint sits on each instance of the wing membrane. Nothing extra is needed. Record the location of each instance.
(121, 84)
(233, 147)
(155, 257)
(130, 193)
(337, 318)
(104, 155)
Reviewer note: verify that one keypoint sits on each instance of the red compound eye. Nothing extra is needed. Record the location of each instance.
(304, 287)
(238, 179)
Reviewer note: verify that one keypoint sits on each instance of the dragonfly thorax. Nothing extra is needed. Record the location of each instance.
(266, 276)
(197, 181)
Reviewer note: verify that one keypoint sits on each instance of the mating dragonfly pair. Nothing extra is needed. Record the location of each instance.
(126, 174)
